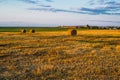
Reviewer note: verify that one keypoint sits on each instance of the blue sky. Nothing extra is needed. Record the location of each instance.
(59, 12)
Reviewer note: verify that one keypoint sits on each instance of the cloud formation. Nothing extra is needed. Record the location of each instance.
(95, 11)
(93, 7)
(109, 10)
(108, 7)
(55, 10)
(46, 6)
(49, 0)
(30, 1)
(34, 1)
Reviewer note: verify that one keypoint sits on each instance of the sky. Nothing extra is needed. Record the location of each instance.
(59, 12)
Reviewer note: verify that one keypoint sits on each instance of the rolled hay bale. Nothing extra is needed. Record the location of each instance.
(32, 31)
(23, 31)
(72, 32)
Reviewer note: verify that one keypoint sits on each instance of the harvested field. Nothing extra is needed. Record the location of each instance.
(92, 55)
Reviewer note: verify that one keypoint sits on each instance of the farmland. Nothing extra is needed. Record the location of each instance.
(54, 55)
(38, 29)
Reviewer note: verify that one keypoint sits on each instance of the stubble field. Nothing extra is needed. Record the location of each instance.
(91, 55)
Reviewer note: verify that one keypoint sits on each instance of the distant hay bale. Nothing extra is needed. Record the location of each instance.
(32, 31)
(72, 32)
(23, 31)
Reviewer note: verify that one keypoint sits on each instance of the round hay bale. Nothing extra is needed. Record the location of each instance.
(32, 31)
(72, 32)
(23, 31)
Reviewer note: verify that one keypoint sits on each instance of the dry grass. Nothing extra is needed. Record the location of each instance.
(57, 56)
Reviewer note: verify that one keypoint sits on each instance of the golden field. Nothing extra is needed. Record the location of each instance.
(91, 55)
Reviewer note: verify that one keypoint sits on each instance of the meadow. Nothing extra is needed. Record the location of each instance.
(54, 55)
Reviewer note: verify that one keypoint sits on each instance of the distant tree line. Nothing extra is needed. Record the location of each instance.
(92, 27)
